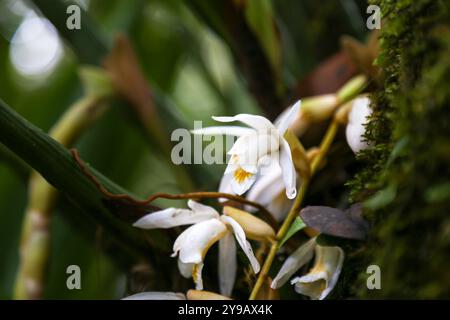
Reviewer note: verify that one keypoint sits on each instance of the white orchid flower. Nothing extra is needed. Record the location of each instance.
(268, 191)
(263, 142)
(323, 276)
(191, 246)
(190, 295)
(357, 119)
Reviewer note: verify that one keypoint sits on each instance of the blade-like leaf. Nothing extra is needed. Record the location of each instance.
(296, 226)
(57, 166)
(89, 46)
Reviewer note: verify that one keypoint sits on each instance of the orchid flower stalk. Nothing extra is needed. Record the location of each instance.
(257, 145)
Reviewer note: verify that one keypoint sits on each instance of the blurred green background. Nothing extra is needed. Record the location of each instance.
(192, 66)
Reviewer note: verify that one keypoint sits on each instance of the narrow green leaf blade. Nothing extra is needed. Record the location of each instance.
(296, 226)
(55, 163)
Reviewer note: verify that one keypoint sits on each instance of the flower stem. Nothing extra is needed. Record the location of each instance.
(295, 209)
(190, 195)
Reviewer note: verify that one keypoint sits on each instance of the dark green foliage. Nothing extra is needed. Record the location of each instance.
(406, 177)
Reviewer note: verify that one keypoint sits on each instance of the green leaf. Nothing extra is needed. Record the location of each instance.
(89, 45)
(55, 163)
(260, 16)
(296, 226)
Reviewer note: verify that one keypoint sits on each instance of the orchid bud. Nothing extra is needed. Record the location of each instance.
(254, 228)
(351, 88)
(319, 108)
(357, 119)
(204, 295)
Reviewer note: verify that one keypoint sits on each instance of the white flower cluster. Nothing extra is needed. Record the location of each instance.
(261, 145)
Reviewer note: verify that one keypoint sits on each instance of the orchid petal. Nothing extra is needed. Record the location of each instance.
(360, 110)
(311, 284)
(279, 207)
(241, 145)
(294, 262)
(172, 217)
(192, 270)
(268, 190)
(225, 186)
(253, 121)
(201, 208)
(288, 169)
(227, 264)
(355, 139)
(250, 149)
(322, 278)
(241, 239)
(193, 242)
(356, 124)
(231, 167)
(224, 130)
(197, 275)
(241, 186)
(288, 117)
(185, 269)
(268, 186)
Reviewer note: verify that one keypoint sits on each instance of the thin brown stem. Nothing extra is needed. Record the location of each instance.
(153, 197)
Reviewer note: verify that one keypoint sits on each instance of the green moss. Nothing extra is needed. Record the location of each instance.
(410, 157)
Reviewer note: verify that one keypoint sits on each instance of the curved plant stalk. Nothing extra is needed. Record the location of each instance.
(35, 242)
(190, 195)
(348, 92)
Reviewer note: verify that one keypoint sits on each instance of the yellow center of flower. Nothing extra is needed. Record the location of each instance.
(240, 175)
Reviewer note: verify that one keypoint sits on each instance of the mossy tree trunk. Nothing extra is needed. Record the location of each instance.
(406, 180)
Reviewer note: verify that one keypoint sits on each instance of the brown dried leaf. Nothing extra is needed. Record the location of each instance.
(363, 54)
(328, 77)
